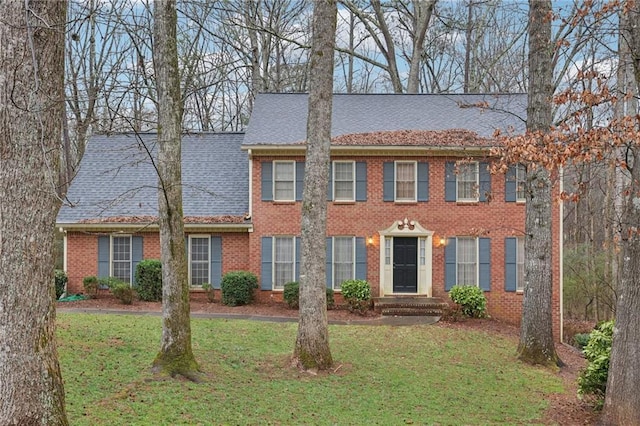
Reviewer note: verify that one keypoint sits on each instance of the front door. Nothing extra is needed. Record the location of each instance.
(405, 265)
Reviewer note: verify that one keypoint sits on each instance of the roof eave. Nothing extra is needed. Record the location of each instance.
(284, 149)
(143, 227)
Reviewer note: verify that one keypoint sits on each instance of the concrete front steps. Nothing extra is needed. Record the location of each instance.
(409, 306)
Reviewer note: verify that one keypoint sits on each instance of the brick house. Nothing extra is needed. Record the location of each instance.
(412, 207)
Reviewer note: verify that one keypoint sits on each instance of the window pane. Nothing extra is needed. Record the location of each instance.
(466, 261)
(343, 262)
(283, 261)
(405, 181)
(467, 181)
(199, 261)
(121, 254)
(284, 181)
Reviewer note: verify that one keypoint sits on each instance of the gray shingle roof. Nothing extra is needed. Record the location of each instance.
(117, 178)
(282, 118)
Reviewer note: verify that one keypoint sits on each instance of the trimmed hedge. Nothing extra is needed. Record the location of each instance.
(471, 299)
(291, 296)
(148, 282)
(357, 294)
(237, 288)
(60, 280)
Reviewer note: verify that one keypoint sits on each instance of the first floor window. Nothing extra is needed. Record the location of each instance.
(121, 258)
(283, 261)
(343, 260)
(199, 260)
(467, 261)
(467, 181)
(520, 264)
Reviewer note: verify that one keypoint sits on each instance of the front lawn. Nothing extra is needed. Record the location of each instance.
(383, 375)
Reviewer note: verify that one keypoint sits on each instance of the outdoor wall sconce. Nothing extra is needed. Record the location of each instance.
(439, 241)
(370, 240)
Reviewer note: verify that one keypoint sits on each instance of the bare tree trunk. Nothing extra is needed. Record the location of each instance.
(423, 9)
(536, 335)
(31, 107)
(621, 404)
(312, 344)
(175, 356)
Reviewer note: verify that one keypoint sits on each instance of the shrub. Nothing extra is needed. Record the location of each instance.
(60, 280)
(148, 282)
(580, 340)
(237, 288)
(90, 284)
(357, 294)
(291, 296)
(593, 380)
(122, 291)
(471, 300)
(208, 290)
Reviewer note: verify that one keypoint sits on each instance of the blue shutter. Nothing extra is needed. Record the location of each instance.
(388, 172)
(423, 181)
(330, 183)
(510, 185)
(297, 254)
(361, 181)
(299, 179)
(137, 254)
(510, 263)
(450, 264)
(267, 267)
(104, 257)
(484, 257)
(267, 180)
(485, 181)
(329, 262)
(450, 182)
(361, 259)
(215, 272)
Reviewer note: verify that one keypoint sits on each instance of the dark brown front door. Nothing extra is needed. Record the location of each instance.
(405, 265)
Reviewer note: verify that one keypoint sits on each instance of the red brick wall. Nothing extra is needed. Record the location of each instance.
(496, 220)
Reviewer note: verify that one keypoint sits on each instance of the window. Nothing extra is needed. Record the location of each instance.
(467, 265)
(521, 175)
(199, 260)
(467, 182)
(121, 257)
(387, 251)
(343, 180)
(520, 264)
(284, 178)
(343, 260)
(283, 261)
(405, 181)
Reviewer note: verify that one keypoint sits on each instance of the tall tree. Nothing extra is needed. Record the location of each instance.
(536, 335)
(176, 355)
(31, 108)
(312, 344)
(622, 405)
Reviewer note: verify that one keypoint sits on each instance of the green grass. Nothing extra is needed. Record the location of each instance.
(385, 376)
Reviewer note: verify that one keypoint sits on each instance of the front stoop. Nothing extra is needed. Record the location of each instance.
(409, 306)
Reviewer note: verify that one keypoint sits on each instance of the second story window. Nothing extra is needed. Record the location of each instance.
(468, 182)
(405, 181)
(521, 176)
(284, 180)
(344, 181)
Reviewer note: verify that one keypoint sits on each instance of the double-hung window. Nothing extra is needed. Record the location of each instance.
(467, 182)
(521, 175)
(405, 181)
(284, 180)
(520, 264)
(283, 261)
(344, 183)
(199, 259)
(343, 260)
(467, 261)
(121, 257)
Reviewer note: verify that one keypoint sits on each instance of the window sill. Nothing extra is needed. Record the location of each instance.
(406, 202)
(468, 202)
(284, 202)
(344, 202)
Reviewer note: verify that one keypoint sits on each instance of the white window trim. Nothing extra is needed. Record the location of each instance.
(333, 257)
(111, 252)
(415, 182)
(190, 276)
(519, 285)
(275, 197)
(273, 261)
(353, 181)
(477, 266)
(477, 183)
(520, 169)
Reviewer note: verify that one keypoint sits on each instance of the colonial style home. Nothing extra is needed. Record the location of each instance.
(412, 205)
